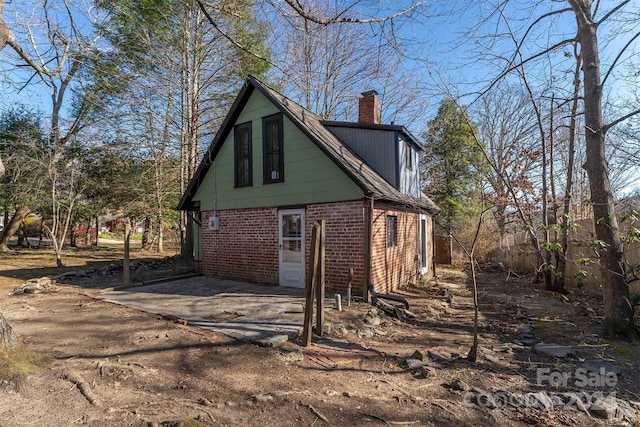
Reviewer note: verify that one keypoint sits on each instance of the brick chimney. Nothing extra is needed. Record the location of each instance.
(369, 108)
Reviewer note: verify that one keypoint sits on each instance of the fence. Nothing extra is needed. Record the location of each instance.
(518, 253)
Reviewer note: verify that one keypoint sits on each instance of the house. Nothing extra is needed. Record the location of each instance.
(274, 168)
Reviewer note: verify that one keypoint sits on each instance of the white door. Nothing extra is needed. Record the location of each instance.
(291, 224)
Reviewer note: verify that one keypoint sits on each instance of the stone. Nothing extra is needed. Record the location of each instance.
(293, 356)
(374, 321)
(524, 330)
(459, 385)
(554, 350)
(426, 371)
(485, 400)
(436, 357)
(539, 400)
(573, 401)
(609, 408)
(501, 348)
(414, 363)
(373, 311)
(273, 341)
(529, 342)
(601, 367)
(419, 354)
(262, 397)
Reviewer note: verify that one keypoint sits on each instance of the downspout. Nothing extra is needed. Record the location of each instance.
(368, 247)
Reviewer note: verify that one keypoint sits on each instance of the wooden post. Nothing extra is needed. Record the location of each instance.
(125, 261)
(320, 283)
(307, 331)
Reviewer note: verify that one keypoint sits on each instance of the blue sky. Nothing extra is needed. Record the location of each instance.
(451, 51)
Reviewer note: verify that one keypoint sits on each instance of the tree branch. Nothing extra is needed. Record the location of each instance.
(618, 57)
(620, 119)
(299, 9)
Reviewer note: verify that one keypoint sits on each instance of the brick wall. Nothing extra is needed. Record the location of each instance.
(245, 247)
(398, 265)
(344, 242)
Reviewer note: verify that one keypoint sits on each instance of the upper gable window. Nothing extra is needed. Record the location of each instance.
(409, 156)
(242, 155)
(272, 141)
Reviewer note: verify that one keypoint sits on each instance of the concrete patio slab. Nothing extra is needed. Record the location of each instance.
(245, 311)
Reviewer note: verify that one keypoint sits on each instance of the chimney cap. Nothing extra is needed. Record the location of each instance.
(372, 92)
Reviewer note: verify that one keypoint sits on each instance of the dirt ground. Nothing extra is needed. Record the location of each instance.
(107, 365)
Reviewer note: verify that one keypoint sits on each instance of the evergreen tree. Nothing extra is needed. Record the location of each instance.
(454, 166)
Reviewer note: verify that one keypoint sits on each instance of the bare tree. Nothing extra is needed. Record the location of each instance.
(56, 48)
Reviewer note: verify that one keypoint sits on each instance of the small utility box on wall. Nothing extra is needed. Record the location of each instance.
(214, 223)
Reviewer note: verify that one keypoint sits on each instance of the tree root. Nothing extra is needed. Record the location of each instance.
(84, 388)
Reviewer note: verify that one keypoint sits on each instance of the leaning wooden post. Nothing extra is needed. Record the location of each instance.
(125, 261)
(307, 330)
(320, 284)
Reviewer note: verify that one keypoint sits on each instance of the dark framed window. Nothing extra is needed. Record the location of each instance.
(272, 142)
(409, 155)
(392, 231)
(242, 155)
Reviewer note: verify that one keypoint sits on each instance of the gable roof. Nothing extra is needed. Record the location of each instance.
(371, 183)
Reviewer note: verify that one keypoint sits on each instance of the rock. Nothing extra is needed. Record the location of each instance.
(492, 359)
(529, 342)
(426, 371)
(574, 401)
(501, 348)
(273, 341)
(326, 328)
(601, 367)
(374, 321)
(485, 400)
(459, 385)
(373, 311)
(366, 333)
(414, 363)
(262, 397)
(419, 354)
(293, 356)
(554, 350)
(538, 400)
(436, 357)
(42, 281)
(610, 407)
(205, 402)
(524, 330)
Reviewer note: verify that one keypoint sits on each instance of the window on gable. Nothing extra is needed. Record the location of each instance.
(392, 231)
(272, 141)
(242, 155)
(409, 155)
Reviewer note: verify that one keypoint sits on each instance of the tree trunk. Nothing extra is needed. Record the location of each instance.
(87, 234)
(146, 233)
(618, 312)
(159, 233)
(97, 230)
(8, 338)
(566, 214)
(11, 229)
(73, 238)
